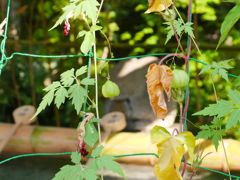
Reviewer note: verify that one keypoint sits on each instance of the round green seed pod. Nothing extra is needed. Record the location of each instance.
(180, 78)
(110, 89)
(170, 15)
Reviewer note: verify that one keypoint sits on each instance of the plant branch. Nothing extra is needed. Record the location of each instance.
(99, 10)
(170, 55)
(177, 38)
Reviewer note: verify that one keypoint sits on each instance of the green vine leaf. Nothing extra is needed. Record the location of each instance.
(91, 136)
(95, 120)
(213, 132)
(81, 71)
(76, 157)
(55, 85)
(60, 95)
(88, 42)
(231, 18)
(78, 97)
(88, 81)
(68, 172)
(81, 33)
(95, 28)
(236, 83)
(180, 28)
(75, 172)
(234, 96)
(219, 68)
(75, 92)
(221, 109)
(233, 119)
(89, 174)
(109, 163)
(188, 29)
(97, 151)
(89, 7)
(47, 100)
(66, 9)
(67, 78)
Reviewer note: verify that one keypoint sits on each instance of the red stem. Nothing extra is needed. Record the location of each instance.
(187, 70)
(178, 40)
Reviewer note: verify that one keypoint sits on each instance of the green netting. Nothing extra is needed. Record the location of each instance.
(4, 60)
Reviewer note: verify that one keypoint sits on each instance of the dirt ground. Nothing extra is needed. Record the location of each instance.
(44, 168)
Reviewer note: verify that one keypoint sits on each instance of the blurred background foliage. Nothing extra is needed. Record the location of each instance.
(130, 31)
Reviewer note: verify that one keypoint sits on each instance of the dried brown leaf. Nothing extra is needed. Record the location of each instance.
(159, 79)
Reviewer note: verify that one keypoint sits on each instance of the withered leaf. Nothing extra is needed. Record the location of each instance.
(159, 79)
(158, 5)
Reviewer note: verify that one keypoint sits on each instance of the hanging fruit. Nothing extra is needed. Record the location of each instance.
(110, 89)
(180, 78)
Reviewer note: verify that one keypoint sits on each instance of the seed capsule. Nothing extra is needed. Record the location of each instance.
(180, 78)
(110, 89)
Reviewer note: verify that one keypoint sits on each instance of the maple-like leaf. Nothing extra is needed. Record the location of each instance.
(89, 7)
(76, 157)
(170, 152)
(67, 78)
(221, 109)
(77, 95)
(159, 79)
(60, 96)
(213, 132)
(158, 5)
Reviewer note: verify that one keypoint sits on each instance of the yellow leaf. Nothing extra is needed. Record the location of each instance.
(159, 78)
(189, 139)
(158, 5)
(170, 152)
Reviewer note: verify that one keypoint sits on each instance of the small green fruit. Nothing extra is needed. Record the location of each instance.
(110, 89)
(170, 15)
(180, 78)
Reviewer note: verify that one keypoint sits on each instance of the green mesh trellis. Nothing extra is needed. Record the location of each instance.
(4, 59)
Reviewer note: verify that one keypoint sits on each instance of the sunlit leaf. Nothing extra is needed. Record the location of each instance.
(89, 7)
(231, 18)
(66, 9)
(170, 152)
(158, 5)
(88, 42)
(96, 28)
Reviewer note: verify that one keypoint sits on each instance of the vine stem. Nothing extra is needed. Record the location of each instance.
(96, 94)
(224, 149)
(225, 153)
(176, 36)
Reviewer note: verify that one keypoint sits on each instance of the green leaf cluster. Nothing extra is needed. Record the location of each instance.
(219, 68)
(77, 171)
(180, 27)
(105, 161)
(80, 172)
(213, 132)
(67, 89)
(223, 108)
(87, 7)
